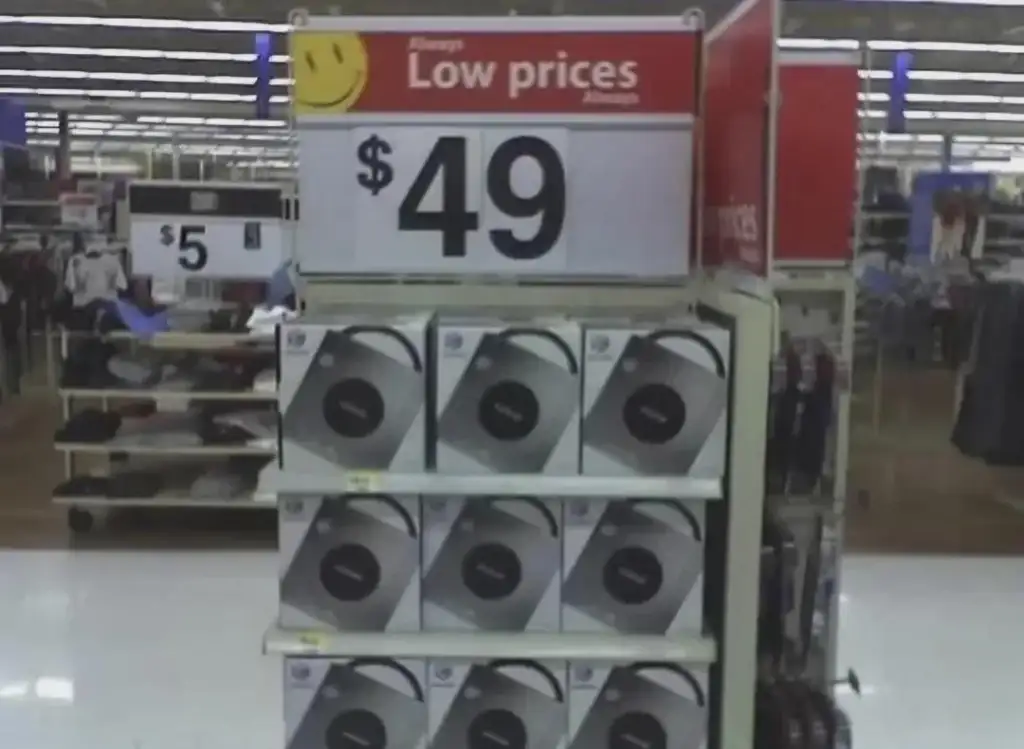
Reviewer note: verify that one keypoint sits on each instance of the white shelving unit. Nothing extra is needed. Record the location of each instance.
(730, 650)
(81, 508)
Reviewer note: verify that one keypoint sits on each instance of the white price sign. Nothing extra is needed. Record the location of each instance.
(80, 210)
(205, 230)
(543, 146)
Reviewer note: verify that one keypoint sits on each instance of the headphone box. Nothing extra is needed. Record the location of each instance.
(349, 562)
(645, 704)
(505, 703)
(508, 396)
(492, 563)
(655, 400)
(633, 566)
(365, 702)
(352, 395)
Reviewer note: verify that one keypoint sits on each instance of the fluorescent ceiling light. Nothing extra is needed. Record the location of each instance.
(85, 146)
(902, 137)
(126, 53)
(213, 121)
(894, 45)
(790, 44)
(948, 76)
(130, 94)
(164, 24)
(144, 131)
(980, 99)
(924, 114)
(219, 122)
(103, 75)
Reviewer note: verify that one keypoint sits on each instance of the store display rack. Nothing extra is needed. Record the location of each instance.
(730, 649)
(819, 304)
(83, 508)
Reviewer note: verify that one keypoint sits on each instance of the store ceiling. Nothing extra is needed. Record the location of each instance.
(134, 79)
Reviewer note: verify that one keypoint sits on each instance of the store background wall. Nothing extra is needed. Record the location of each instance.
(909, 489)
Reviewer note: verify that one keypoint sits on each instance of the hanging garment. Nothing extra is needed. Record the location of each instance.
(990, 420)
(94, 275)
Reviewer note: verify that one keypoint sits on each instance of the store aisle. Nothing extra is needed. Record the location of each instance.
(937, 644)
(127, 650)
(120, 650)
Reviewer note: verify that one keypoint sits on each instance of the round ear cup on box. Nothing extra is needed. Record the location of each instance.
(508, 410)
(356, 729)
(354, 408)
(634, 729)
(654, 414)
(496, 729)
(350, 572)
(491, 571)
(632, 575)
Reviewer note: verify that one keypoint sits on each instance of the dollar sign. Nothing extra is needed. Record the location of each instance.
(378, 173)
(166, 235)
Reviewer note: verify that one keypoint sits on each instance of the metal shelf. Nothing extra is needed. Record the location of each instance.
(181, 340)
(670, 487)
(691, 649)
(100, 448)
(199, 395)
(753, 319)
(261, 501)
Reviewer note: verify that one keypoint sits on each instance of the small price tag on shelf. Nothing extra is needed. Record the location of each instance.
(362, 481)
(478, 146)
(312, 642)
(206, 230)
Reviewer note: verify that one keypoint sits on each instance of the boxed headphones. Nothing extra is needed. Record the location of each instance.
(633, 566)
(349, 562)
(517, 704)
(492, 563)
(647, 704)
(352, 395)
(370, 703)
(508, 396)
(655, 400)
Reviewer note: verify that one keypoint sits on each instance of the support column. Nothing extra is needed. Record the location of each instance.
(175, 162)
(946, 154)
(63, 155)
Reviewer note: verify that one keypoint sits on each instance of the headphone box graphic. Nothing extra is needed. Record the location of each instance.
(349, 562)
(371, 703)
(515, 704)
(655, 400)
(633, 566)
(645, 704)
(352, 395)
(508, 396)
(492, 563)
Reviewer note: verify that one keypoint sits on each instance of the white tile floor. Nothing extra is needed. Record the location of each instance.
(161, 651)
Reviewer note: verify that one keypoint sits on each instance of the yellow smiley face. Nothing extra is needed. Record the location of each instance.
(330, 70)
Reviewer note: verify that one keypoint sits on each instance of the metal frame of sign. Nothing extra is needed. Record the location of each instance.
(437, 26)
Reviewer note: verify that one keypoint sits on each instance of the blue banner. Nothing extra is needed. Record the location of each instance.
(947, 215)
(12, 123)
(896, 120)
(264, 72)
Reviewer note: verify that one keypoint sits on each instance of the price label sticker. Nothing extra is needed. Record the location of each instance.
(362, 481)
(312, 642)
(513, 146)
(206, 230)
